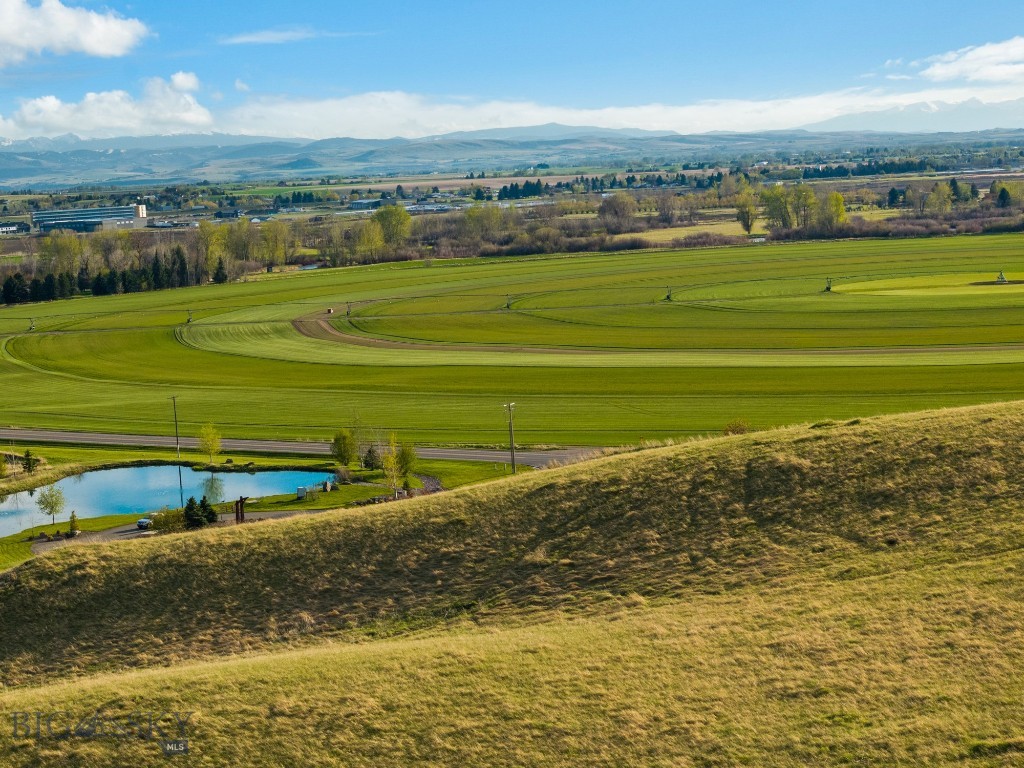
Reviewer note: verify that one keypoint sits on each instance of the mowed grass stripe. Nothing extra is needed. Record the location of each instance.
(739, 339)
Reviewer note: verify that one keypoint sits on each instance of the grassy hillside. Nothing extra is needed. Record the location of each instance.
(695, 519)
(838, 594)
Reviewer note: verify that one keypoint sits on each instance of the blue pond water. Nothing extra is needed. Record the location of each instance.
(144, 489)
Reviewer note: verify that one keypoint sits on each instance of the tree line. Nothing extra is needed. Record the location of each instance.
(164, 270)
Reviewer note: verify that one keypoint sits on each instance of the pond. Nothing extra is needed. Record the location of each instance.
(131, 490)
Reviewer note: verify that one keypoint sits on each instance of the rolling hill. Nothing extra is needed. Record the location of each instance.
(832, 594)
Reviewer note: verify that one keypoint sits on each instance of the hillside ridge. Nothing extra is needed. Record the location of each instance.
(835, 501)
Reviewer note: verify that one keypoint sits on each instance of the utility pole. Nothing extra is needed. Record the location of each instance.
(511, 407)
(177, 447)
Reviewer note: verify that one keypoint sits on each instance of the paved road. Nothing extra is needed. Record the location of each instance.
(131, 531)
(532, 458)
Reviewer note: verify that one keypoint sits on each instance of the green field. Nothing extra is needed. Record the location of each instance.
(595, 350)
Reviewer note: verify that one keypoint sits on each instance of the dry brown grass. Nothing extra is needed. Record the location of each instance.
(700, 518)
(839, 594)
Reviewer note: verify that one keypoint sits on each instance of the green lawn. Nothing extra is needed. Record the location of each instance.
(64, 460)
(588, 346)
(16, 548)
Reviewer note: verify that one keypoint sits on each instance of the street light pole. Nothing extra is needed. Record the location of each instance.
(511, 407)
(177, 447)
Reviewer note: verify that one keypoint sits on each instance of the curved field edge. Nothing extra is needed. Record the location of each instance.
(769, 510)
(111, 363)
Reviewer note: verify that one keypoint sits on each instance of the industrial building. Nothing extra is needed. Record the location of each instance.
(91, 219)
(13, 227)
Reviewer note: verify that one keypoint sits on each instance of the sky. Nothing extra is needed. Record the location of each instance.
(328, 68)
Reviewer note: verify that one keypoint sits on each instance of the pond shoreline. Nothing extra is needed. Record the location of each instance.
(141, 486)
(49, 473)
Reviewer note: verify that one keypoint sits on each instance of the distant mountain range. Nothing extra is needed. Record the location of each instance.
(970, 115)
(68, 161)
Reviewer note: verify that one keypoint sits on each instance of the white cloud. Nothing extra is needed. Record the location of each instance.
(172, 105)
(396, 113)
(166, 106)
(186, 82)
(52, 26)
(291, 34)
(272, 36)
(1001, 62)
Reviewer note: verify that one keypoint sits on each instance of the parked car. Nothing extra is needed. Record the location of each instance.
(144, 524)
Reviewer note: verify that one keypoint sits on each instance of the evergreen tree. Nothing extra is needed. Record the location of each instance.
(10, 291)
(50, 287)
(206, 509)
(371, 460)
(159, 279)
(181, 266)
(29, 462)
(193, 515)
(221, 274)
(65, 285)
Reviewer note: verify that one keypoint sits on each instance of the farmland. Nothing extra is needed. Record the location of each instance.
(595, 349)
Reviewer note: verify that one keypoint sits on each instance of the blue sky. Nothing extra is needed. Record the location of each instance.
(318, 69)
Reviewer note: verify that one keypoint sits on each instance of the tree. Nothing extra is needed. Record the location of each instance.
(209, 441)
(804, 204)
(832, 213)
(370, 240)
(274, 240)
(371, 459)
(50, 287)
(776, 208)
(209, 244)
(940, 199)
(1003, 198)
(395, 225)
(179, 263)
(617, 212)
(207, 511)
(61, 251)
(73, 526)
(29, 462)
(668, 208)
(240, 240)
(220, 275)
(194, 517)
(391, 467)
(344, 448)
(406, 459)
(746, 210)
(51, 502)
